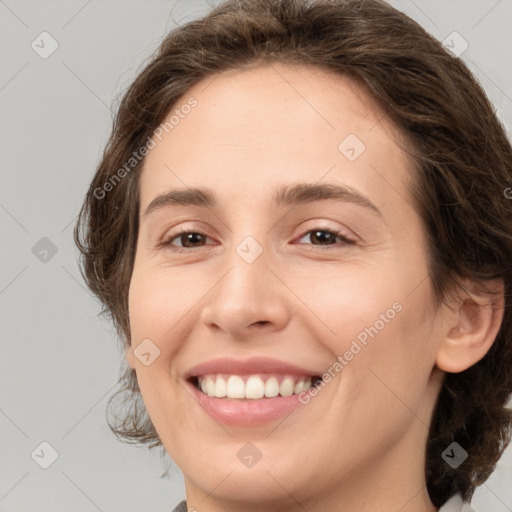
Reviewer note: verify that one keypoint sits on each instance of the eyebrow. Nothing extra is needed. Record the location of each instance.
(287, 195)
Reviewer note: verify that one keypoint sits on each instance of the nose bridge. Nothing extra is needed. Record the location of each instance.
(246, 284)
(248, 292)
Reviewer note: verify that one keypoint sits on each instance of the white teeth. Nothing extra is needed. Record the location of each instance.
(252, 387)
(220, 388)
(210, 386)
(236, 387)
(301, 385)
(286, 387)
(271, 387)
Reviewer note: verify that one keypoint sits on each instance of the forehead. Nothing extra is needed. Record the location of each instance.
(272, 121)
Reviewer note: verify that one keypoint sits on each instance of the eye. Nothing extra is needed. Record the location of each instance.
(319, 234)
(188, 240)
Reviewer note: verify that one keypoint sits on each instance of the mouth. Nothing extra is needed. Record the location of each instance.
(252, 386)
(248, 392)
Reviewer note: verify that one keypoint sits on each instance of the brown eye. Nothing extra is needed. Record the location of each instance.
(326, 236)
(187, 240)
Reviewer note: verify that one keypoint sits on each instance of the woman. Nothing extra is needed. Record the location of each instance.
(301, 230)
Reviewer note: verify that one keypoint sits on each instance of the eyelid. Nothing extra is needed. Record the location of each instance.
(345, 239)
(166, 239)
(329, 225)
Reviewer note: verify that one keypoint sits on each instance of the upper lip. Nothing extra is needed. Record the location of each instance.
(256, 364)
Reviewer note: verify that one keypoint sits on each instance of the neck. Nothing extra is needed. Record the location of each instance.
(392, 480)
(390, 485)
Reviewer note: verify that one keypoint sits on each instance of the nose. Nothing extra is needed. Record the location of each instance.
(249, 297)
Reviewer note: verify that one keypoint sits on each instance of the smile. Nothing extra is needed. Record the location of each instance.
(253, 387)
(248, 392)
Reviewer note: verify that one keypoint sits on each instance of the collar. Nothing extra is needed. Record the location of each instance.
(455, 504)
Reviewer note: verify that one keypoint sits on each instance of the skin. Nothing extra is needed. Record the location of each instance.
(359, 444)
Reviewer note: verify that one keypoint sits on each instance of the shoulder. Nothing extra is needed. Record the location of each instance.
(181, 507)
(455, 504)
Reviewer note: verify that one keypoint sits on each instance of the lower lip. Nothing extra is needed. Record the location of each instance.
(246, 412)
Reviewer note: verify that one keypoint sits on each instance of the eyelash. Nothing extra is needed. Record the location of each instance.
(166, 243)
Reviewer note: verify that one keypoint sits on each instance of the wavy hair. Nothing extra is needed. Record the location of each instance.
(462, 170)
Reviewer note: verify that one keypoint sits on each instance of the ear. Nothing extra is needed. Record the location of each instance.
(130, 356)
(470, 328)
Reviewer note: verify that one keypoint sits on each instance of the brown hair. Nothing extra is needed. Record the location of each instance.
(462, 164)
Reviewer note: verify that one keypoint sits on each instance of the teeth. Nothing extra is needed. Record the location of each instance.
(210, 386)
(286, 387)
(220, 388)
(301, 385)
(271, 387)
(252, 387)
(236, 387)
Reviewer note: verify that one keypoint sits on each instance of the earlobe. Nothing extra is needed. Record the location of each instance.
(471, 329)
(130, 358)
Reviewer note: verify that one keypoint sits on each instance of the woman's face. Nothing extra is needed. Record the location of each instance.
(263, 274)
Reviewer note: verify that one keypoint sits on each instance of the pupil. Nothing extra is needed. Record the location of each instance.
(189, 237)
(324, 236)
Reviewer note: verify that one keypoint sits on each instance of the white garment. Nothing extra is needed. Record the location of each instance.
(455, 504)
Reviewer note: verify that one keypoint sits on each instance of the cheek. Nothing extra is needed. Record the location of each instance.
(349, 301)
(374, 321)
(396, 358)
(158, 299)
(154, 308)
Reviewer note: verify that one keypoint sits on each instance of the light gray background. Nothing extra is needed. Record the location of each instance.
(59, 361)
